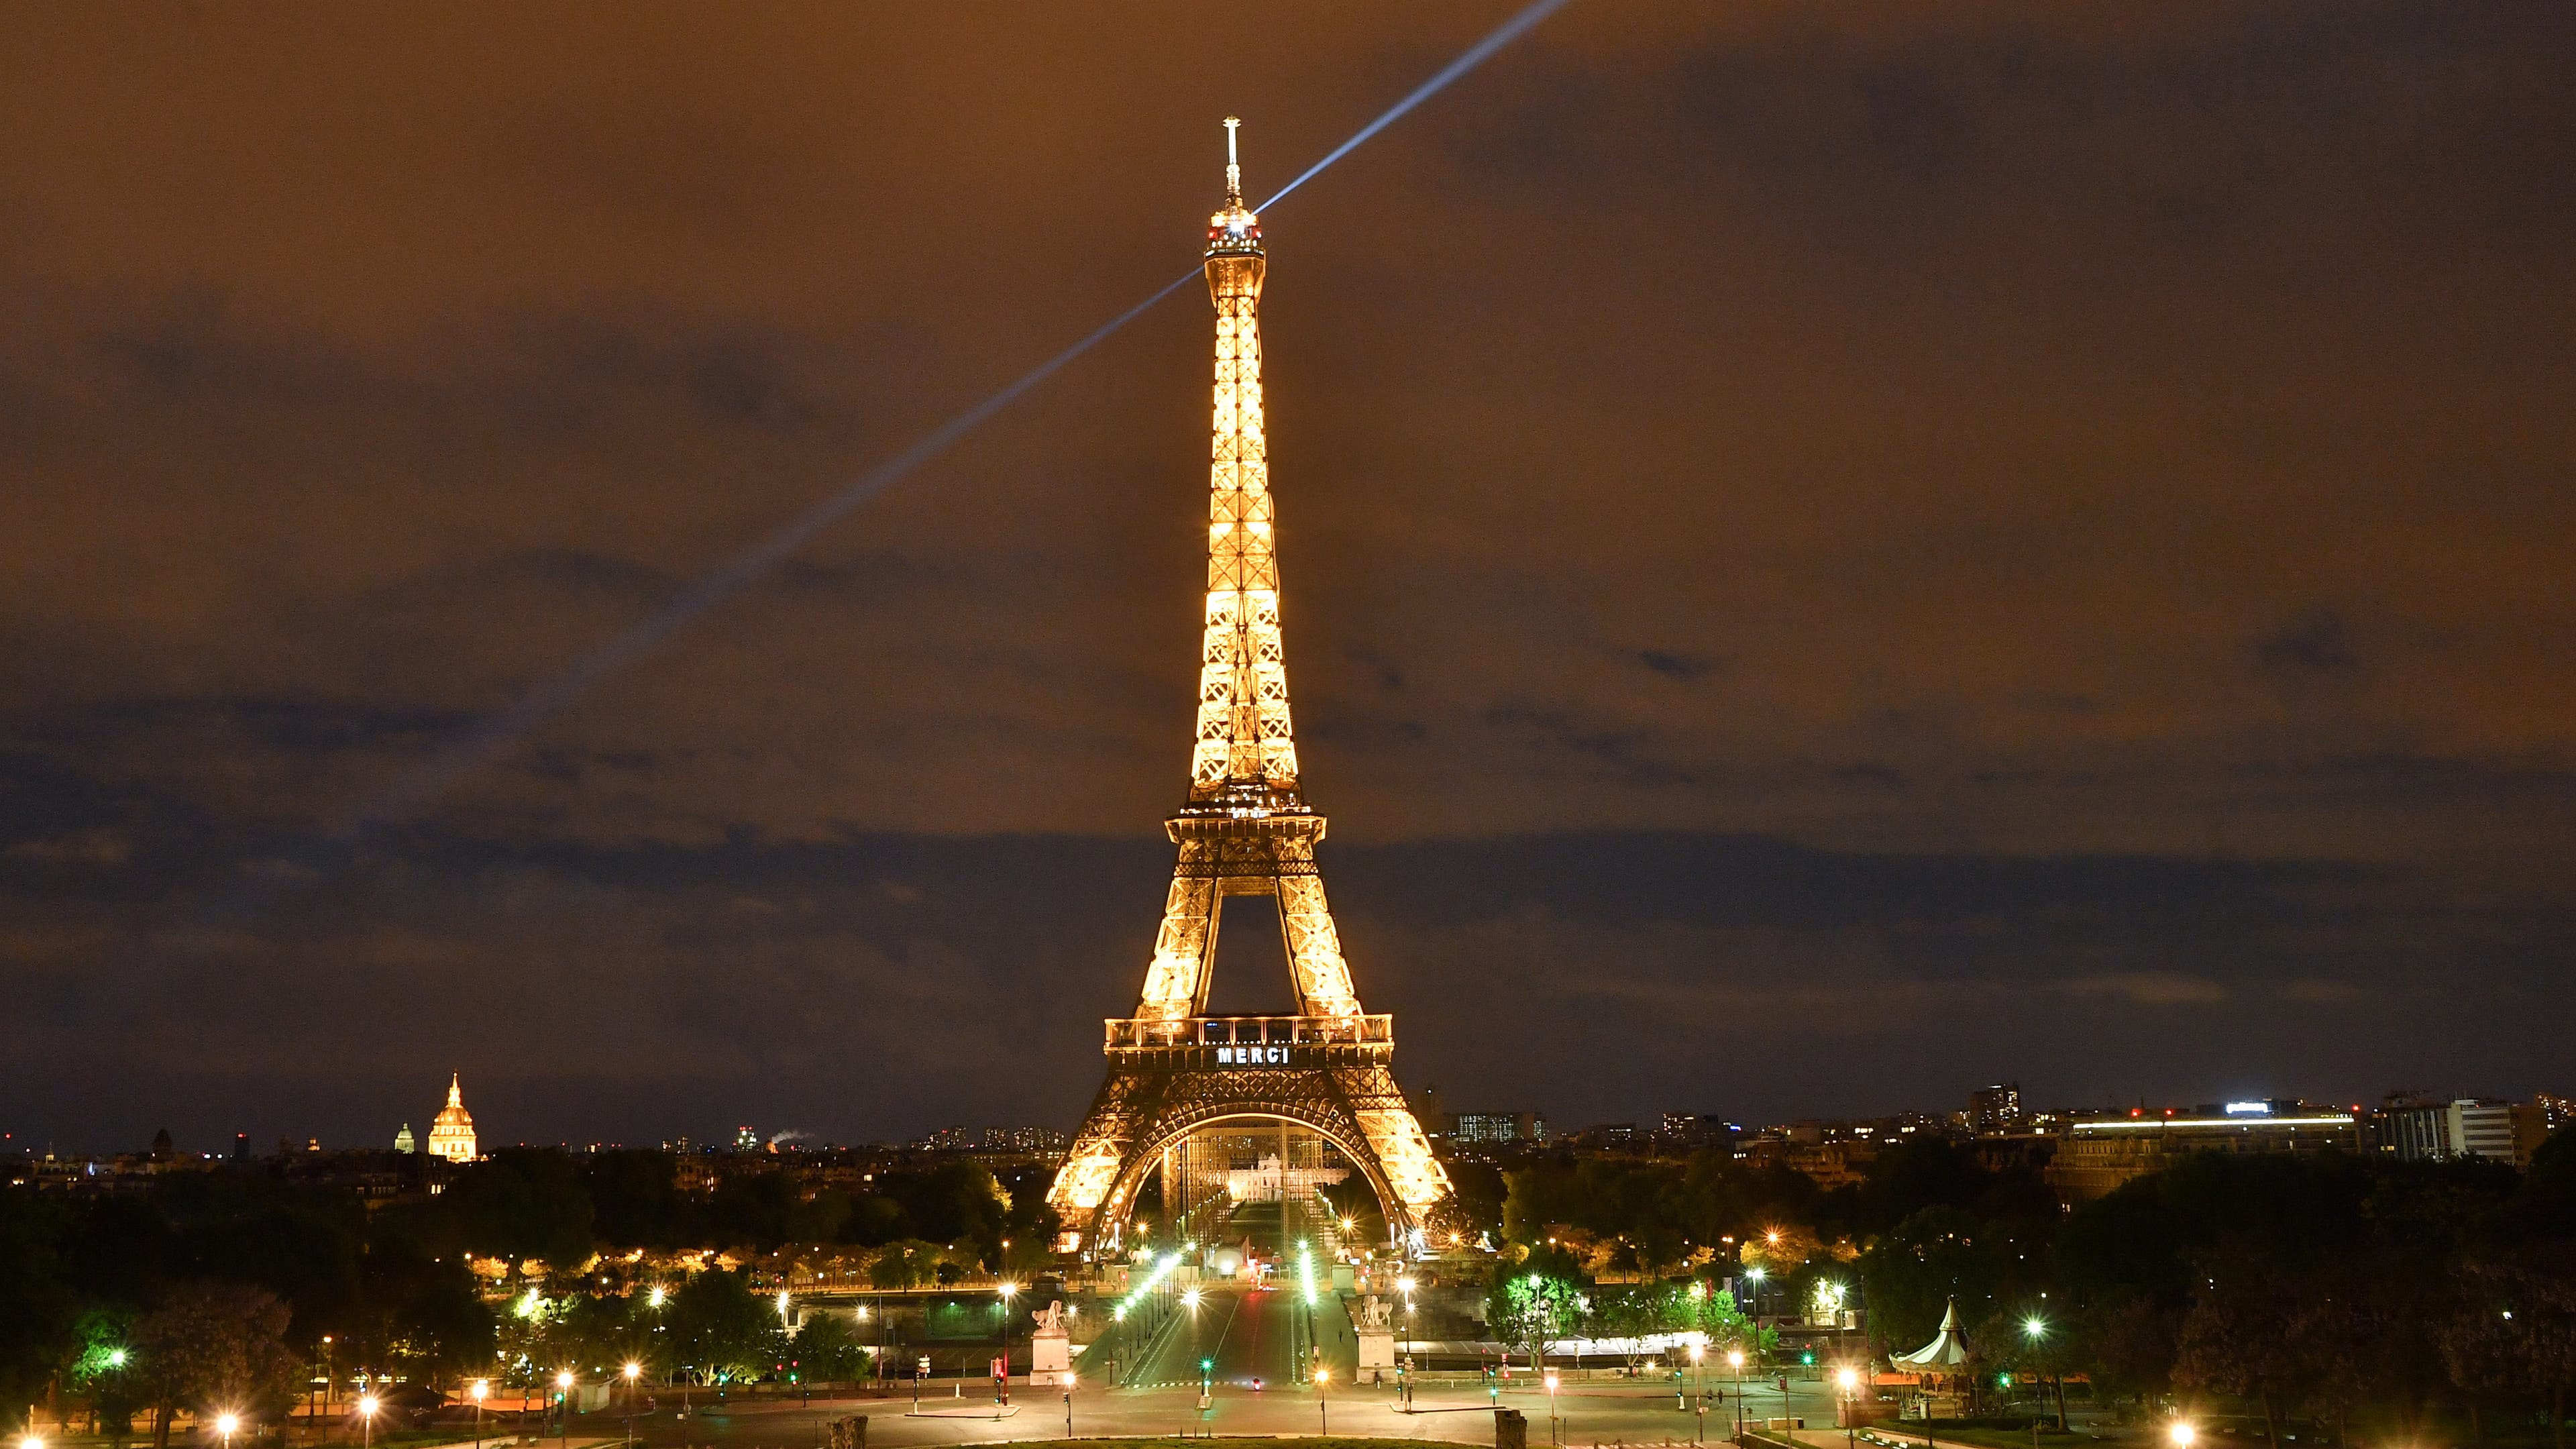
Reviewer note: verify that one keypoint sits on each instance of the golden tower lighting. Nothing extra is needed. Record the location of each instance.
(1245, 828)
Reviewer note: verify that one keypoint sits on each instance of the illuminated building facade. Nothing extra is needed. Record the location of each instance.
(1244, 829)
(2101, 1152)
(451, 1135)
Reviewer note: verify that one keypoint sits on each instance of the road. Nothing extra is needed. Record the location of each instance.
(1245, 1336)
(1253, 1339)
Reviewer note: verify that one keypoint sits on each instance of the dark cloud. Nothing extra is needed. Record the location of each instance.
(2315, 644)
(2030, 539)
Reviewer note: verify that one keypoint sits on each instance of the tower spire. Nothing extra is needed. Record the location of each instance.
(1233, 164)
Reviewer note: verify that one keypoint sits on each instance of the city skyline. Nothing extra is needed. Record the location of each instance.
(1834, 566)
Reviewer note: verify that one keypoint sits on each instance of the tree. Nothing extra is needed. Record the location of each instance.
(217, 1346)
(105, 1369)
(524, 1202)
(1535, 1301)
(908, 1263)
(720, 1327)
(2518, 1329)
(2238, 1337)
(827, 1349)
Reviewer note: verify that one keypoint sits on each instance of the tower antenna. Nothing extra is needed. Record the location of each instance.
(1233, 165)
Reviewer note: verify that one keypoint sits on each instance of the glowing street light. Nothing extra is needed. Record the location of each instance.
(1190, 1300)
(563, 1426)
(1555, 1433)
(366, 1420)
(31, 1442)
(657, 1297)
(1324, 1414)
(2034, 1327)
(1735, 1361)
(2181, 1434)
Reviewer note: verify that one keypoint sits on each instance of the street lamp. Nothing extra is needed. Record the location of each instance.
(1321, 1374)
(1848, 1380)
(366, 1420)
(482, 1390)
(225, 1424)
(2181, 1434)
(1735, 1361)
(563, 1426)
(633, 1371)
(1555, 1434)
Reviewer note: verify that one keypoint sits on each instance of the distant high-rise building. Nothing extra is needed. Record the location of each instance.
(954, 1138)
(1034, 1141)
(1471, 1128)
(1688, 1130)
(403, 1141)
(451, 1132)
(745, 1140)
(2555, 1111)
(1995, 1108)
(2461, 1127)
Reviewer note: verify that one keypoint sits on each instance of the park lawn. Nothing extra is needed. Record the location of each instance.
(1304, 1441)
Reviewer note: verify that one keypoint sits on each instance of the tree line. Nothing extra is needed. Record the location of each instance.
(2326, 1295)
(232, 1287)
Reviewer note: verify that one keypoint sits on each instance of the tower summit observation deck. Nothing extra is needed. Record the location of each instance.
(1245, 828)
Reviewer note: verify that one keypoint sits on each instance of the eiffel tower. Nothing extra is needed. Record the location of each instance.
(1245, 829)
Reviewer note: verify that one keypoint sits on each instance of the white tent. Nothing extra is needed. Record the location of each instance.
(1947, 1350)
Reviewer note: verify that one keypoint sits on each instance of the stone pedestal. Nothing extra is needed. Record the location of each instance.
(1377, 1348)
(1050, 1347)
(1511, 1431)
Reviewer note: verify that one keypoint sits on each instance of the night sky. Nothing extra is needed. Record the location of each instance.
(1833, 553)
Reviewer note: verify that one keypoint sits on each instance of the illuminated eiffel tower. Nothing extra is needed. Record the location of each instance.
(1245, 830)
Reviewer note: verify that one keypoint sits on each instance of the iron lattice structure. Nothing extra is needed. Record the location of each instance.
(1245, 829)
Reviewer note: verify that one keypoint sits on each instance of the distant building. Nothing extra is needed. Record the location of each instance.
(1478, 1128)
(403, 1141)
(2101, 1152)
(2462, 1127)
(745, 1140)
(1025, 1141)
(950, 1139)
(2555, 1112)
(451, 1133)
(1689, 1130)
(1268, 1181)
(1995, 1108)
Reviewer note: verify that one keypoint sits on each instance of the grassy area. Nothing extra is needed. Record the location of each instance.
(2049, 1438)
(1305, 1441)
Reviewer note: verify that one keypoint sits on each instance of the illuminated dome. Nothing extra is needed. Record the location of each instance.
(452, 1135)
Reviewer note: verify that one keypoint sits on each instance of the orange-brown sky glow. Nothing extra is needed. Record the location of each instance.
(1831, 555)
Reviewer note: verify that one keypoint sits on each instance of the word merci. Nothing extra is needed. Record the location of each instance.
(1252, 1056)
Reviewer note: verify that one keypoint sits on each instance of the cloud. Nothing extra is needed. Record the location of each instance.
(2148, 988)
(1676, 666)
(2316, 643)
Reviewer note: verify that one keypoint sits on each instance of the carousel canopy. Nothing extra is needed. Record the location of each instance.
(1948, 1348)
